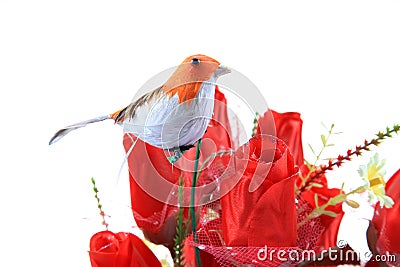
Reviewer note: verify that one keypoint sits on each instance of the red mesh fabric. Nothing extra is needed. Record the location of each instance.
(331, 224)
(215, 251)
(236, 229)
(324, 194)
(309, 233)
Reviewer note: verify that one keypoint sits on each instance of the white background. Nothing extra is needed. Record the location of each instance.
(65, 61)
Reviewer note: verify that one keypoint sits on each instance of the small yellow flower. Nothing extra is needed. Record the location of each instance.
(373, 175)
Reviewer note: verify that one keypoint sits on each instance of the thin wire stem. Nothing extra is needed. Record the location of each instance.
(192, 198)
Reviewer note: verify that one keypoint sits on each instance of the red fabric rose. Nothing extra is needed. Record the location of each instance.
(288, 127)
(153, 177)
(266, 216)
(387, 220)
(108, 249)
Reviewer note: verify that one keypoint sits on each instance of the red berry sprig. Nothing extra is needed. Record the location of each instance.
(350, 154)
(99, 206)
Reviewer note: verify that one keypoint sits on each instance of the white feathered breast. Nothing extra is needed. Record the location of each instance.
(167, 124)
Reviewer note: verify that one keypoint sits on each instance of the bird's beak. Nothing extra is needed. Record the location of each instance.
(222, 70)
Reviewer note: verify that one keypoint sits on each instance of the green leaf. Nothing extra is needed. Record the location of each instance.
(296, 188)
(316, 185)
(329, 213)
(323, 139)
(341, 187)
(312, 150)
(352, 203)
(302, 178)
(164, 263)
(336, 133)
(337, 199)
(309, 166)
(316, 200)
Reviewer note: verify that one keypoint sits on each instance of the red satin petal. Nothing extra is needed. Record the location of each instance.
(142, 256)
(103, 249)
(104, 242)
(246, 215)
(288, 127)
(274, 217)
(120, 250)
(125, 249)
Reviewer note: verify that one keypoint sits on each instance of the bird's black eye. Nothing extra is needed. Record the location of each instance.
(195, 61)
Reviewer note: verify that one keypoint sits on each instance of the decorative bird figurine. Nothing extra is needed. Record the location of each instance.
(174, 115)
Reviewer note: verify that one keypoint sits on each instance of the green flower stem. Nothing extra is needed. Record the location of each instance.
(312, 167)
(192, 198)
(321, 210)
(180, 229)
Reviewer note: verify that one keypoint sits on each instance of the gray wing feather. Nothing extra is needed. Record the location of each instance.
(64, 131)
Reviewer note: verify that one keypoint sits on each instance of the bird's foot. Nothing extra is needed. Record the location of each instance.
(178, 153)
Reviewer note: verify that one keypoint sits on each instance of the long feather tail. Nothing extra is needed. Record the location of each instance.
(64, 131)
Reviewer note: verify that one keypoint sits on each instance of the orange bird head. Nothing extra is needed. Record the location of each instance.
(190, 74)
